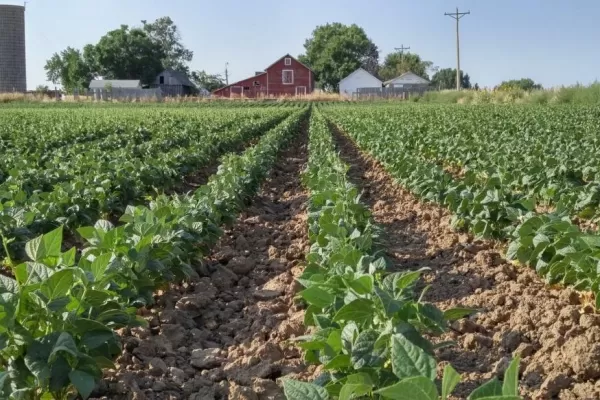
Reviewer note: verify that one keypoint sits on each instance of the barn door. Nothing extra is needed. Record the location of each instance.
(236, 91)
(300, 90)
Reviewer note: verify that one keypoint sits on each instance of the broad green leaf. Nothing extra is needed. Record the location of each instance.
(83, 382)
(317, 297)
(491, 388)
(35, 249)
(351, 391)
(53, 242)
(59, 374)
(68, 257)
(366, 353)
(65, 343)
(450, 379)
(409, 360)
(359, 311)
(8, 285)
(454, 314)
(100, 264)
(413, 388)
(338, 362)
(296, 390)
(510, 385)
(59, 284)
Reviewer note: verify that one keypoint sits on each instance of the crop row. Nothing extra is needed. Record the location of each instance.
(103, 189)
(485, 204)
(545, 155)
(368, 324)
(59, 312)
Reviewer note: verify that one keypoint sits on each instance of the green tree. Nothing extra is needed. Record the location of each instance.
(126, 53)
(69, 69)
(397, 63)
(164, 33)
(207, 81)
(335, 50)
(523, 84)
(446, 79)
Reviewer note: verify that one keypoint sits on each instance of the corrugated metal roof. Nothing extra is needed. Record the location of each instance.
(180, 76)
(115, 83)
(360, 69)
(407, 78)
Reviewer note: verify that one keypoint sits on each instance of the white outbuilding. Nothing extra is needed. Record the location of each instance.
(358, 79)
(408, 80)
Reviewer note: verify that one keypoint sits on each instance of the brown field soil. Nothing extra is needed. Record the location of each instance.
(556, 336)
(225, 334)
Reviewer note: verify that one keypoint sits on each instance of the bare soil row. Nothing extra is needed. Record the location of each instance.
(555, 334)
(225, 335)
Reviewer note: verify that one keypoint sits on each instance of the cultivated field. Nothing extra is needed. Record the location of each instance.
(309, 251)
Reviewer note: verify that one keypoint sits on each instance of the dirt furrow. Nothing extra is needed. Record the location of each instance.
(223, 335)
(555, 334)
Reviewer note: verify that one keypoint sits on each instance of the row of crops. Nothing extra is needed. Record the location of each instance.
(526, 174)
(71, 168)
(60, 309)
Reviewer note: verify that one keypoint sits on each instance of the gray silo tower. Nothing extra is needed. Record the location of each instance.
(13, 77)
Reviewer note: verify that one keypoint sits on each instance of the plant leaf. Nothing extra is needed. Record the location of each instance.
(449, 381)
(414, 388)
(409, 360)
(296, 390)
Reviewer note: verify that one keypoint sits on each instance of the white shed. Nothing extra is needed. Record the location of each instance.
(407, 80)
(358, 79)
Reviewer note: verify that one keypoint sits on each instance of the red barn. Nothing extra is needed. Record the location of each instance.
(285, 77)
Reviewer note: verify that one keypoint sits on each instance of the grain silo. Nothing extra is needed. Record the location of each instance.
(13, 77)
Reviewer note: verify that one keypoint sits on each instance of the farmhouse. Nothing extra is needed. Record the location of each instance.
(408, 81)
(285, 77)
(358, 79)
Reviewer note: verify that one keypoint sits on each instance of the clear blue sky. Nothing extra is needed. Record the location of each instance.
(554, 42)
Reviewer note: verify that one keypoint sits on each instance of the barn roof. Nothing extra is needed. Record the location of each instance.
(407, 77)
(240, 81)
(115, 83)
(360, 69)
(290, 56)
(180, 76)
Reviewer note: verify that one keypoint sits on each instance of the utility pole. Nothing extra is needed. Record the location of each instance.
(226, 74)
(457, 16)
(401, 49)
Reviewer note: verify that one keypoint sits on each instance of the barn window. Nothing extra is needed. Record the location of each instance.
(162, 80)
(287, 77)
(288, 61)
(246, 87)
(256, 83)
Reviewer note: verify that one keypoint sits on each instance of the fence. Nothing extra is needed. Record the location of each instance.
(124, 94)
(389, 92)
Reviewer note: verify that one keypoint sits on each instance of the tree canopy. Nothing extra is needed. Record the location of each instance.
(208, 81)
(123, 53)
(446, 79)
(523, 84)
(335, 50)
(397, 63)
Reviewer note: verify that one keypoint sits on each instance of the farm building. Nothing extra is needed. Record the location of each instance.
(174, 83)
(285, 77)
(358, 79)
(115, 84)
(409, 81)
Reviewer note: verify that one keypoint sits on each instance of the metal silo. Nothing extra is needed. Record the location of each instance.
(13, 77)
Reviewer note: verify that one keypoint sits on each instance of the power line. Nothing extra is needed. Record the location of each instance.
(457, 16)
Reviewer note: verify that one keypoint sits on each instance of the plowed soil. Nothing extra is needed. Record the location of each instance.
(557, 337)
(223, 336)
